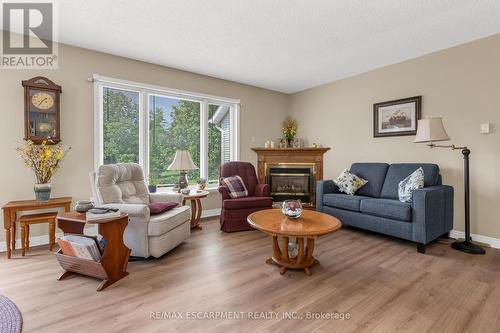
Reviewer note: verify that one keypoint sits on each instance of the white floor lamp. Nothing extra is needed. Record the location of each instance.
(431, 130)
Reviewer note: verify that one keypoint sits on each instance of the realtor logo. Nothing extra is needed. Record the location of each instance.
(28, 34)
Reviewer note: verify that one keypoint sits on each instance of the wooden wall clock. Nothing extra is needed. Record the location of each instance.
(41, 110)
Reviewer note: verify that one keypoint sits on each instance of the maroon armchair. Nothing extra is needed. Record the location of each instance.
(234, 212)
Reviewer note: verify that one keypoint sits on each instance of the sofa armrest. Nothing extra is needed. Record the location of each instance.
(432, 213)
(224, 193)
(133, 210)
(261, 190)
(323, 187)
(163, 197)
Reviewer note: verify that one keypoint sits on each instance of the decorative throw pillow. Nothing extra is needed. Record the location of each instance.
(408, 185)
(156, 208)
(349, 183)
(235, 186)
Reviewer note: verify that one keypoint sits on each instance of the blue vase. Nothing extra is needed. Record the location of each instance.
(42, 192)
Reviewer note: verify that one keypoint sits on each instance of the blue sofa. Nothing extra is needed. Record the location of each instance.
(376, 206)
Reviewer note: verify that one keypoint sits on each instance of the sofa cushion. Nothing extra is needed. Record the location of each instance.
(343, 201)
(399, 171)
(164, 222)
(248, 202)
(374, 223)
(374, 173)
(393, 209)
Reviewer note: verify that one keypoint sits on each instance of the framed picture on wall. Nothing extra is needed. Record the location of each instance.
(397, 117)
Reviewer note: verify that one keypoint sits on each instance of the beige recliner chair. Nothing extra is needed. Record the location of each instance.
(122, 186)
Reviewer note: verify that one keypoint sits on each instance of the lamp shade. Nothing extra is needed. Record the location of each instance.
(430, 130)
(182, 161)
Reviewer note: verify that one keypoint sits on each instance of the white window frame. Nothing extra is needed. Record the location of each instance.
(146, 90)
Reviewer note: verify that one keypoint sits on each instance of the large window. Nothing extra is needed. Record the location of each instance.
(148, 124)
(173, 124)
(219, 139)
(120, 126)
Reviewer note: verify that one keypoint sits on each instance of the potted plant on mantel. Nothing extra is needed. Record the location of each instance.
(289, 131)
(44, 160)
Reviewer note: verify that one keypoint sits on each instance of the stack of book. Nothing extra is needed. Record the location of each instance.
(80, 246)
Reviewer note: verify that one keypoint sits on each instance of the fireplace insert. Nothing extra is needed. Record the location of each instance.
(291, 182)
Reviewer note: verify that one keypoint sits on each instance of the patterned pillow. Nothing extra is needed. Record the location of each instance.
(410, 184)
(349, 183)
(235, 186)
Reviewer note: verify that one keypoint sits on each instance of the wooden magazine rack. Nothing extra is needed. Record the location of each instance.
(113, 264)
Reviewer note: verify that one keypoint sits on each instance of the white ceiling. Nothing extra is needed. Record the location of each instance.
(283, 45)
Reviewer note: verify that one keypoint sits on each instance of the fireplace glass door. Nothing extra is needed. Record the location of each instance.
(290, 183)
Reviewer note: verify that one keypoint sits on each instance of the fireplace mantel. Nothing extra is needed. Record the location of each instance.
(286, 151)
(269, 157)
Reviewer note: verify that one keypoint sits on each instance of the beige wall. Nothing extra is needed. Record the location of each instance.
(261, 115)
(461, 84)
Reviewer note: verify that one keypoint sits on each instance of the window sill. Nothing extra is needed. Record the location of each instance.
(191, 187)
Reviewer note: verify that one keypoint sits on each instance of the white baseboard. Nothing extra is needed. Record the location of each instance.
(493, 242)
(210, 212)
(44, 239)
(34, 241)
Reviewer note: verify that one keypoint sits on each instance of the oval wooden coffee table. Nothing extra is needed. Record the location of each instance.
(306, 229)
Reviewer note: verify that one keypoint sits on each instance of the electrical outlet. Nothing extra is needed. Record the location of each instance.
(484, 128)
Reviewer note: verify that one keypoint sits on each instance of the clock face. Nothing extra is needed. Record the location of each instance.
(42, 100)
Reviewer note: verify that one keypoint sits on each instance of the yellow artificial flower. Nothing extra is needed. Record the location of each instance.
(43, 159)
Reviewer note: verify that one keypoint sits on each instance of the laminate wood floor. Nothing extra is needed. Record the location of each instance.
(381, 283)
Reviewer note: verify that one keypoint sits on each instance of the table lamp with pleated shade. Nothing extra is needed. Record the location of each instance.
(182, 162)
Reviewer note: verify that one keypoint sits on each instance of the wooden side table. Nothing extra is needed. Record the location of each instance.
(114, 260)
(11, 208)
(196, 208)
(26, 220)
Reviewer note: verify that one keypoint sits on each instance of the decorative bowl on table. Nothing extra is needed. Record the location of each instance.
(292, 208)
(82, 206)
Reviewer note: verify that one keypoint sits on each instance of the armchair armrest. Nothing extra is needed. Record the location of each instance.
(432, 213)
(224, 193)
(162, 197)
(323, 187)
(261, 190)
(136, 233)
(133, 210)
